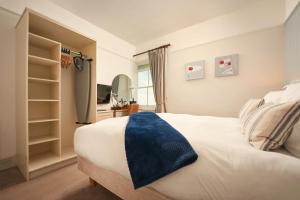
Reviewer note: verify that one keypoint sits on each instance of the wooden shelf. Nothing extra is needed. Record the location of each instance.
(67, 153)
(42, 160)
(40, 41)
(41, 61)
(46, 159)
(43, 100)
(42, 80)
(42, 139)
(42, 120)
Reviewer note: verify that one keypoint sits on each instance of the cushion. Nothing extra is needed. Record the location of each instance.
(269, 126)
(273, 96)
(293, 142)
(248, 108)
(291, 93)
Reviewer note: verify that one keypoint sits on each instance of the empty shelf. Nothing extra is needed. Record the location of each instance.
(41, 61)
(67, 153)
(42, 160)
(42, 80)
(42, 139)
(42, 120)
(42, 41)
(43, 100)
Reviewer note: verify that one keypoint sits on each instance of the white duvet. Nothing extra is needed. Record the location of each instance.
(227, 167)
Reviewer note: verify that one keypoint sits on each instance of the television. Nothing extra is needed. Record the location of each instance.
(103, 93)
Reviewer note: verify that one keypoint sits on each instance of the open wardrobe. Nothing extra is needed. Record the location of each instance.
(56, 92)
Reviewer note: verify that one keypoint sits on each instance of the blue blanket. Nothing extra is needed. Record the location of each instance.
(154, 148)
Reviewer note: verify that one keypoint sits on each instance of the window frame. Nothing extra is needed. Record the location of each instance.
(142, 68)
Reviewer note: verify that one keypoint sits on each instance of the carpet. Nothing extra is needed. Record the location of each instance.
(67, 183)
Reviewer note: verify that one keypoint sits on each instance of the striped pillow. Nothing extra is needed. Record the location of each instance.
(270, 125)
(250, 106)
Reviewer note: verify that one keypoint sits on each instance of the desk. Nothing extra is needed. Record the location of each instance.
(104, 114)
(122, 112)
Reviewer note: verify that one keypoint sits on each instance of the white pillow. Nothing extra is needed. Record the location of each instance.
(269, 126)
(293, 142)
(291, 93)
(250, 106)
(273, 96)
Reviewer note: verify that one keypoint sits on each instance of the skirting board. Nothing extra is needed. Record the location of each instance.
(7, 163)
(51, 168)
(116, 183)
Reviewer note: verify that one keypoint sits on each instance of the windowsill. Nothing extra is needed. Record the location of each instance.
(147, 108)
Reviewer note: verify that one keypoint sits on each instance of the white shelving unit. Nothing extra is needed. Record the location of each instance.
(44, 145)
(46, 113)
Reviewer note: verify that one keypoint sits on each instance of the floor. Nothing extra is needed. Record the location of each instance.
(63, 184)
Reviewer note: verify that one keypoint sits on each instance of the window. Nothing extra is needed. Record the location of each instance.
(145, 94)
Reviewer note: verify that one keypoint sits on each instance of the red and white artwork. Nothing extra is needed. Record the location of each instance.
(226, 65)
(194, 70)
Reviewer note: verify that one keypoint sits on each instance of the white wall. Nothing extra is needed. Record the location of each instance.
(290, 5)
(254, 32)
(112, 65)
(7, 85)
(114, 56)
(260, 70)
(292, 46)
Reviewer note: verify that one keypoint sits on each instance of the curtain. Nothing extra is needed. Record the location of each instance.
(157, 62)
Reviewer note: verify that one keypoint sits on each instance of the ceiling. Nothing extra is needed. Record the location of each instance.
(137, 21)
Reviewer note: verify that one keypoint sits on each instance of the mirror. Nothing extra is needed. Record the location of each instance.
(121, 88)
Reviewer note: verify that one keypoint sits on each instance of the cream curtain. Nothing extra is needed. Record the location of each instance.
(157, 62)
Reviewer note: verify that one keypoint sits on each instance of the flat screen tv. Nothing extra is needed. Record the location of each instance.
(103, 93)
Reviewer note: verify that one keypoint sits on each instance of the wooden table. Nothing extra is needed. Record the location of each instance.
(123, 111)
(104, 114)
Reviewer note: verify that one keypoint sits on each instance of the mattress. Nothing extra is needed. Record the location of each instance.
(227, 166)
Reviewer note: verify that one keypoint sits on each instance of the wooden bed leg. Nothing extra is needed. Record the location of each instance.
(93, 182)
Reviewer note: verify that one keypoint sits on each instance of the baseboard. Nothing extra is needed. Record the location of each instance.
(7, 163)
(51, 168)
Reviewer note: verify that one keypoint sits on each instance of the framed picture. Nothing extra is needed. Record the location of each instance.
(227, 65)
(194, 70)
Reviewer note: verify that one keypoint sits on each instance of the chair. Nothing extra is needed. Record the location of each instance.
(133, 108)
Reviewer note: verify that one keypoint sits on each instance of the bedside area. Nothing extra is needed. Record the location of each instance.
(104, 114)
(116, 100)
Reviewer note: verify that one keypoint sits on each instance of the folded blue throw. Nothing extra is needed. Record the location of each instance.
(154, 148)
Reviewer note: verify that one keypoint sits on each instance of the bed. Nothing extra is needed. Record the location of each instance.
(228, 167)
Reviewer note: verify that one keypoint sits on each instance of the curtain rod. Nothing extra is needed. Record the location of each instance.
(163, 46)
